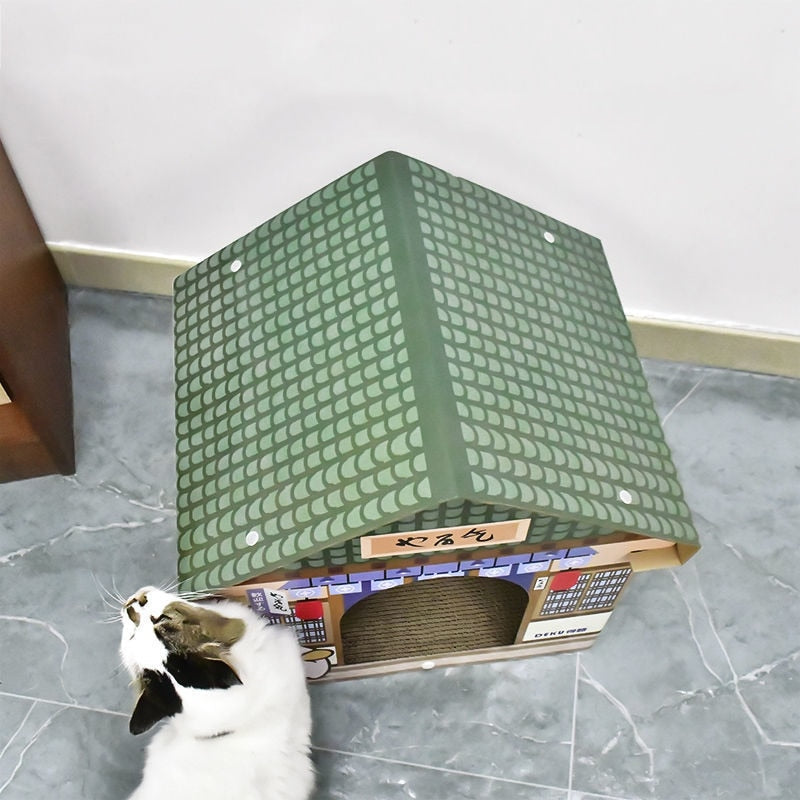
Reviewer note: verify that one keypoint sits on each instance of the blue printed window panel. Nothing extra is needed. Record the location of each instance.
(403, 572)
(386, 583)
(533, 566)
(257, 600)
(308, 593)
(496, 572)
(435, 569)
(575, 563)
(327, 580)
(605, 588)
(578, 557)
(504, 561)
(296, 583)
(549, 555)
(565, 601)
(345, 588)
(581, 552)
(360, 577)
(479, 564)
(432, 575)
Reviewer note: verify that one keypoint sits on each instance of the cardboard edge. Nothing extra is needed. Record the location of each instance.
(686, 551)
(662, 557)
(525, 650)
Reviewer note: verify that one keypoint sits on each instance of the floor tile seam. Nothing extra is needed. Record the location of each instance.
(447, 770)
(583, 793)
(574, 725)
(63, 704)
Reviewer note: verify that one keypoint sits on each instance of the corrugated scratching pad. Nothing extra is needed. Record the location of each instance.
(426, 618)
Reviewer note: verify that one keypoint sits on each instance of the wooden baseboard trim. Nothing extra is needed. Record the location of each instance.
(117, 270)
(717, 346)
(706, 345)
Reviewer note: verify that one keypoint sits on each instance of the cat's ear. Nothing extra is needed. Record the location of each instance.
(157, 701)
(200, 671)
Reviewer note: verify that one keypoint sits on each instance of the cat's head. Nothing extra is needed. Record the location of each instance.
(169, 644)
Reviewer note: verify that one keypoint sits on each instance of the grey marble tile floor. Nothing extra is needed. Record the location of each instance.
(692, 691)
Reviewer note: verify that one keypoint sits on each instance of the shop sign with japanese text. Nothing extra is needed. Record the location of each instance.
(465, 537)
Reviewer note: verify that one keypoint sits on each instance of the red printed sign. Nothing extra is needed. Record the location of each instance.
(308, 609)
(565, 580)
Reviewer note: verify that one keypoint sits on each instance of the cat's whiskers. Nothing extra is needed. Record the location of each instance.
(112, 615)
(170, 585)
(108, 604)
(195, 595)
(117, 593)
(109, 599)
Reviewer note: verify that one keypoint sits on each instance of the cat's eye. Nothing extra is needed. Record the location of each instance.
(162, 618)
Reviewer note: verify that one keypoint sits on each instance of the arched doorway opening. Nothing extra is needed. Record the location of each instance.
(433, 617)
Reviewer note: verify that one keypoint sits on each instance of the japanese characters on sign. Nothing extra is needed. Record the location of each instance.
(465, 537)
(269, 601)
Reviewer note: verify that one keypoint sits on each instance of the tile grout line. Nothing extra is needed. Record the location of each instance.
(63, 706)
(437, 769)
(574, 725)
(61, 703)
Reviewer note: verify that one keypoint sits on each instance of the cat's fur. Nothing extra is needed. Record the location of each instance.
(232, 695)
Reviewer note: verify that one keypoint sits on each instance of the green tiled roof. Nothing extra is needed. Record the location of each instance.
(407, 347)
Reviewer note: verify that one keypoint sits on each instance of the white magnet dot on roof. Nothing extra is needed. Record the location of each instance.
(252, 537)
(428, 664)
(548, 237)
(236, 265)
(625, 496)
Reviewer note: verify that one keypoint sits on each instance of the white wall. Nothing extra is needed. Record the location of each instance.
(669, 130)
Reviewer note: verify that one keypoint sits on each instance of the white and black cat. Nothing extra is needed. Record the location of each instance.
(232, 693)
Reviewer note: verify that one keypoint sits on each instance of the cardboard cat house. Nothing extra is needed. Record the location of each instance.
(412, 425)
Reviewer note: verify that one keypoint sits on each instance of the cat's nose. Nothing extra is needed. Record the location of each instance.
(140, 598)
(137, 601)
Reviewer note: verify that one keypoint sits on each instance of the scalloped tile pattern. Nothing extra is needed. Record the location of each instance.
(554, 409)
(296, 418)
